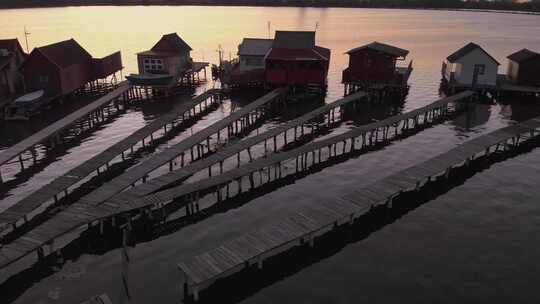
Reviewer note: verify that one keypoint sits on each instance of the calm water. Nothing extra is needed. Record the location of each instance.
(476, 243)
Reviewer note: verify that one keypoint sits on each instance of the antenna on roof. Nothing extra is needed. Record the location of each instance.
(220, 52)
(26, 34)
(268, 25)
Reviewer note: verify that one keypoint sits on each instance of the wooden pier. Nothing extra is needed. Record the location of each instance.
(273, 139)
(63, 185)
(304, 226)
(504, 86)
(194, 146)
(42, 238)
(87, 116)
(274, 165)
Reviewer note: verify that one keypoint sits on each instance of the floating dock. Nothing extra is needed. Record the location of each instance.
(310, 222)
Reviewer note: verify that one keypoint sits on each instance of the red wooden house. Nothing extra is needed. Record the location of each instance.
(524, 68)
(61, 68)
(294, 59)
(376, 63)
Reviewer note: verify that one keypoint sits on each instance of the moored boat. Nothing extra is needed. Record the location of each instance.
(150, 79)
(25, 106)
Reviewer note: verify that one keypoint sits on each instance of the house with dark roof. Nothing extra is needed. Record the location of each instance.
(295, 59)
(251, 53)
(376, 63)
(12, 57)
(64, 67)
(248, 68)
(471, 66)
(524, 68)
(170, 55)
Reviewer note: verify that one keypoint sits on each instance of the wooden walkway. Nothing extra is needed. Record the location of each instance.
(92, 205)
(357, 138)
(141, 171)
(82, 213)
(229, 151)
(312, 221)
(54, 129)
(61, 185)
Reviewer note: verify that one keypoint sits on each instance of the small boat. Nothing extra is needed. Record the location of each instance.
(150, 79)
(25, 106)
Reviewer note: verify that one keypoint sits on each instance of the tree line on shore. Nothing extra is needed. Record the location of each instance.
(510, 5)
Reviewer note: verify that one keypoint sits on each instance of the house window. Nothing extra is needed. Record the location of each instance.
(151, 65)
(479, 69)
(43, 79)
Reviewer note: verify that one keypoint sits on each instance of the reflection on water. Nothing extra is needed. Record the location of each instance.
(415, 255)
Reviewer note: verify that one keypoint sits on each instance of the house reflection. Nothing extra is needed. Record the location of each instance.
(477, 115)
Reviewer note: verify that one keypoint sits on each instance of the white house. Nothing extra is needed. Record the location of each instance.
(251, 53)
(471, 66)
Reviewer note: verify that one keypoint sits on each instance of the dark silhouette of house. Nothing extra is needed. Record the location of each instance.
(12, 57)
(64, 67)
(374, 63)
(524, 68)
(294, 59)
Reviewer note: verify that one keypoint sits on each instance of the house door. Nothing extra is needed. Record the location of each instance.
(479, 69)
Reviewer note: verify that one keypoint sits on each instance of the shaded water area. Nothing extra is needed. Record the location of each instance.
(473, 243)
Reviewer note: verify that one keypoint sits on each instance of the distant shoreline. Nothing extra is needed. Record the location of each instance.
(521, 9)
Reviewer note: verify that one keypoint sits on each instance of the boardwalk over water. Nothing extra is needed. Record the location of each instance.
(234, 123)
(359, 137)
(308, 223)
(91, 206)
(82, 213)
(51, 133)
(61, 185)
(309, 120)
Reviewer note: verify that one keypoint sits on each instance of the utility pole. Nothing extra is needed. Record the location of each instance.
(26, 34)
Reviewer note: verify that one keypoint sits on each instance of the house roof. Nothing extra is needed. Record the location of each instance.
(316, 53)
(462, 52)
(382, 47)
(171, 43)
(10, 45)
(254, 46)
(65, 53)
(158, 54)
(294, 40)
(523, 55)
